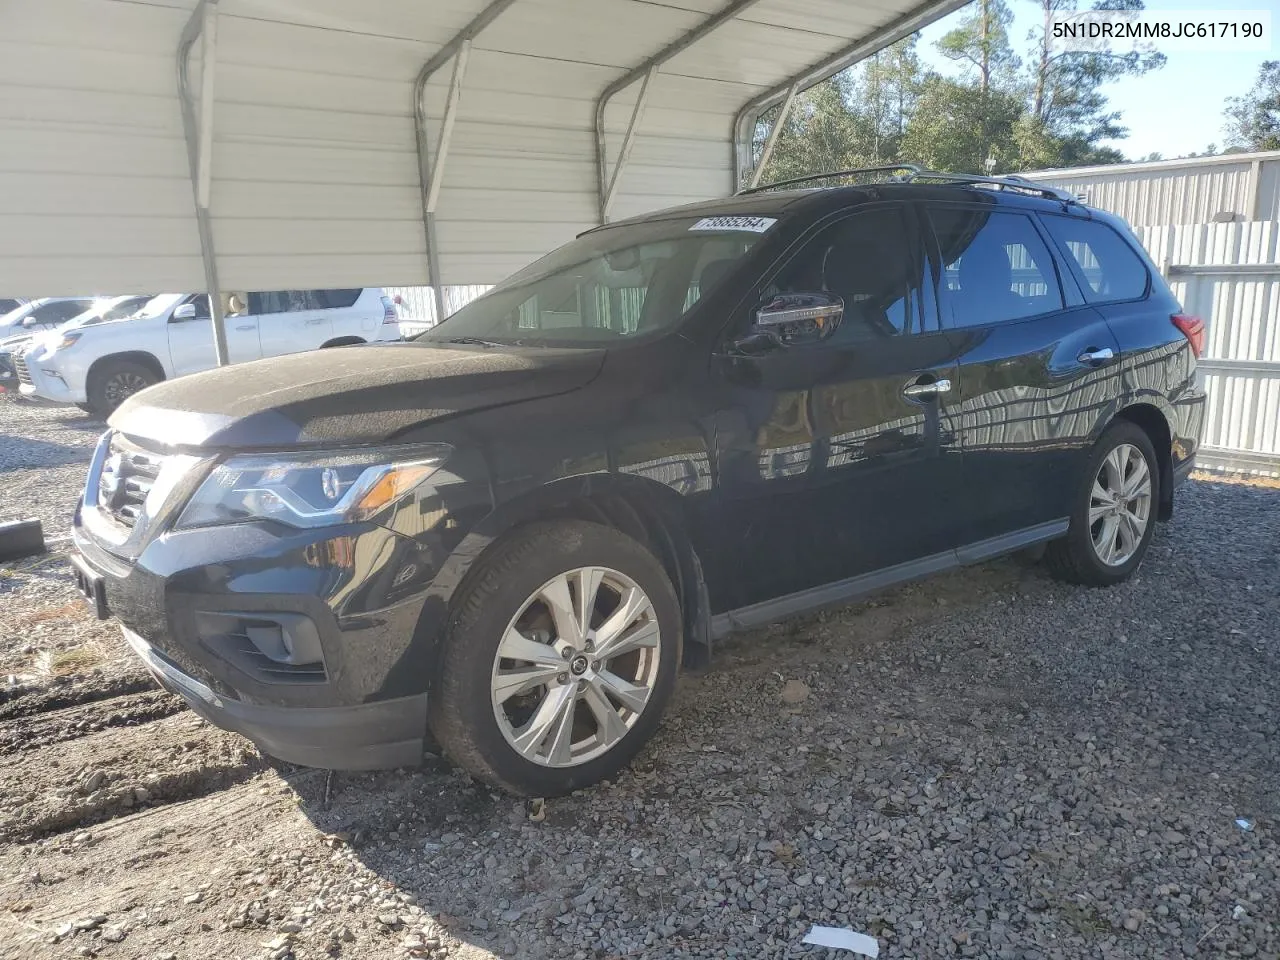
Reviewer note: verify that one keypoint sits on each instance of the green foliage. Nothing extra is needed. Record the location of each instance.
(1253, 120)
(1050, 112)
(957, 125)
(981, 39)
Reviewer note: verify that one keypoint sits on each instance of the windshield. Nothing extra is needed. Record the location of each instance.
(160, 303)
(609, 286)
(108, 309)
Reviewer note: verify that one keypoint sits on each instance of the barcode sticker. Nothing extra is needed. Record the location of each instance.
(749, 224)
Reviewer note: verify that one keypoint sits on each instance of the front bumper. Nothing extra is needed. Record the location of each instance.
(370, 736)
(46, 386)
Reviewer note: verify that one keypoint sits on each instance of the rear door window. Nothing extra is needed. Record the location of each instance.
(332, 299)
(280, 301)
(996, 268)
(1107, 267)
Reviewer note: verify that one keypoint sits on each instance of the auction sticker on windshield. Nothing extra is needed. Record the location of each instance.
(749, 224)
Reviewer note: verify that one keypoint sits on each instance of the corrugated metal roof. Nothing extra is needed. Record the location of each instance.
(315, 176)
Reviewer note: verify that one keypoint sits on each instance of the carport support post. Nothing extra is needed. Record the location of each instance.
(199, 135)
(427, 173)
(437, 171)
(628, 141)
(778, 124)
(604, 186)
(744, 123)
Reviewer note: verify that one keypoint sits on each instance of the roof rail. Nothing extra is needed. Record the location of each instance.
(912, 173)
(910, 169)
(1010, 182)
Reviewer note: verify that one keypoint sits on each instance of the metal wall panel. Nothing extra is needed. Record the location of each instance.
(1241, 366)
(1237, 187)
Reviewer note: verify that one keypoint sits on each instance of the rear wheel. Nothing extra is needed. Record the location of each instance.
(1114, 513)
(560, 661)
(114, 382)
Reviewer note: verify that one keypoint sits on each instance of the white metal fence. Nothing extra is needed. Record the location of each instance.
(1229, 275)
(416, 306)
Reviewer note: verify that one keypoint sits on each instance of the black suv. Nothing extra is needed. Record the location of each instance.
(506, 535)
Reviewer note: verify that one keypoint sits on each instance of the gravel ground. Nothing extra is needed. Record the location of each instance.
(987, 764)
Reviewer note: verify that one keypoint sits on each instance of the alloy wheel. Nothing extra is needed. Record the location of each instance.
(576, 667)
(1120, 505)
(121, 386)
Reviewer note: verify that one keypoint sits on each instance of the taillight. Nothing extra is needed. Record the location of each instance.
(1193, 329)
(389, 311)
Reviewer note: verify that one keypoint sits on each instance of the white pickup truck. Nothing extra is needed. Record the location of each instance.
(97, 366)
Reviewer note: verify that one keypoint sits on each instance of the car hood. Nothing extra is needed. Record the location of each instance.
(359, 394)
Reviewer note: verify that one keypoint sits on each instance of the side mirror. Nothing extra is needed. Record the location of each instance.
(30, 323)
(184, 311)
(789, 319)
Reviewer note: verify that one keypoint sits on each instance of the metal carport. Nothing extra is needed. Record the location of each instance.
(331, 143)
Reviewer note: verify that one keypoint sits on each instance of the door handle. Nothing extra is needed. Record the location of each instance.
(247, 326)
(1097, 356)
(926, 391)
(316, 320)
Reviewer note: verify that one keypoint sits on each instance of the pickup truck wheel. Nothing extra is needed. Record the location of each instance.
(115, 382)
(1114, 513)
(559, 660)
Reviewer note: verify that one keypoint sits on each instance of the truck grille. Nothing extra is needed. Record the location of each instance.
(20, 367)
(128, 474)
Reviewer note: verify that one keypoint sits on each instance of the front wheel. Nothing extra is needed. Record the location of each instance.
(115, 382)
(1114, 512)
(560, 659)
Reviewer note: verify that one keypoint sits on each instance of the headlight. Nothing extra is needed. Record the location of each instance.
(310, 490)
(69, 339)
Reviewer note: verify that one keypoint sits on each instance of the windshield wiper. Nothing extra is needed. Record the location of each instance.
(475, 340)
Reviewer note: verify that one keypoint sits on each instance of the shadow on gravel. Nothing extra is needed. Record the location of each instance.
(70, 417)
(41, 453)
(986, 764)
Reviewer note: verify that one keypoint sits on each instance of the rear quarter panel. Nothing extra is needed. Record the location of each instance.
(1158, 367)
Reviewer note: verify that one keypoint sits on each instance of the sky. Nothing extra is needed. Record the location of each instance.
(1173, 111)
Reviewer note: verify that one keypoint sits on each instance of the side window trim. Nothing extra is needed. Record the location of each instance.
(1078, 275)
(1068, 283)
(945, 300)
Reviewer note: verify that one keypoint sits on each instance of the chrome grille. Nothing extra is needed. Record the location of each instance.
(128, 473)
(20, 367)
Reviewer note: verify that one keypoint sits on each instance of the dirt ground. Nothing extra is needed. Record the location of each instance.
(987, 764)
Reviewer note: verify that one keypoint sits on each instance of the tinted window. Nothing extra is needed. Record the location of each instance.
(1109, 267)
(200, 302)
(280, 301)
(870, 262)
(61, 311)
(995, 267)
(332, 299)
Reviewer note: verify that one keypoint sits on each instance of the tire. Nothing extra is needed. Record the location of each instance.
(477, 727)
(85, 407)
(1077, 557)
(114, 382)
